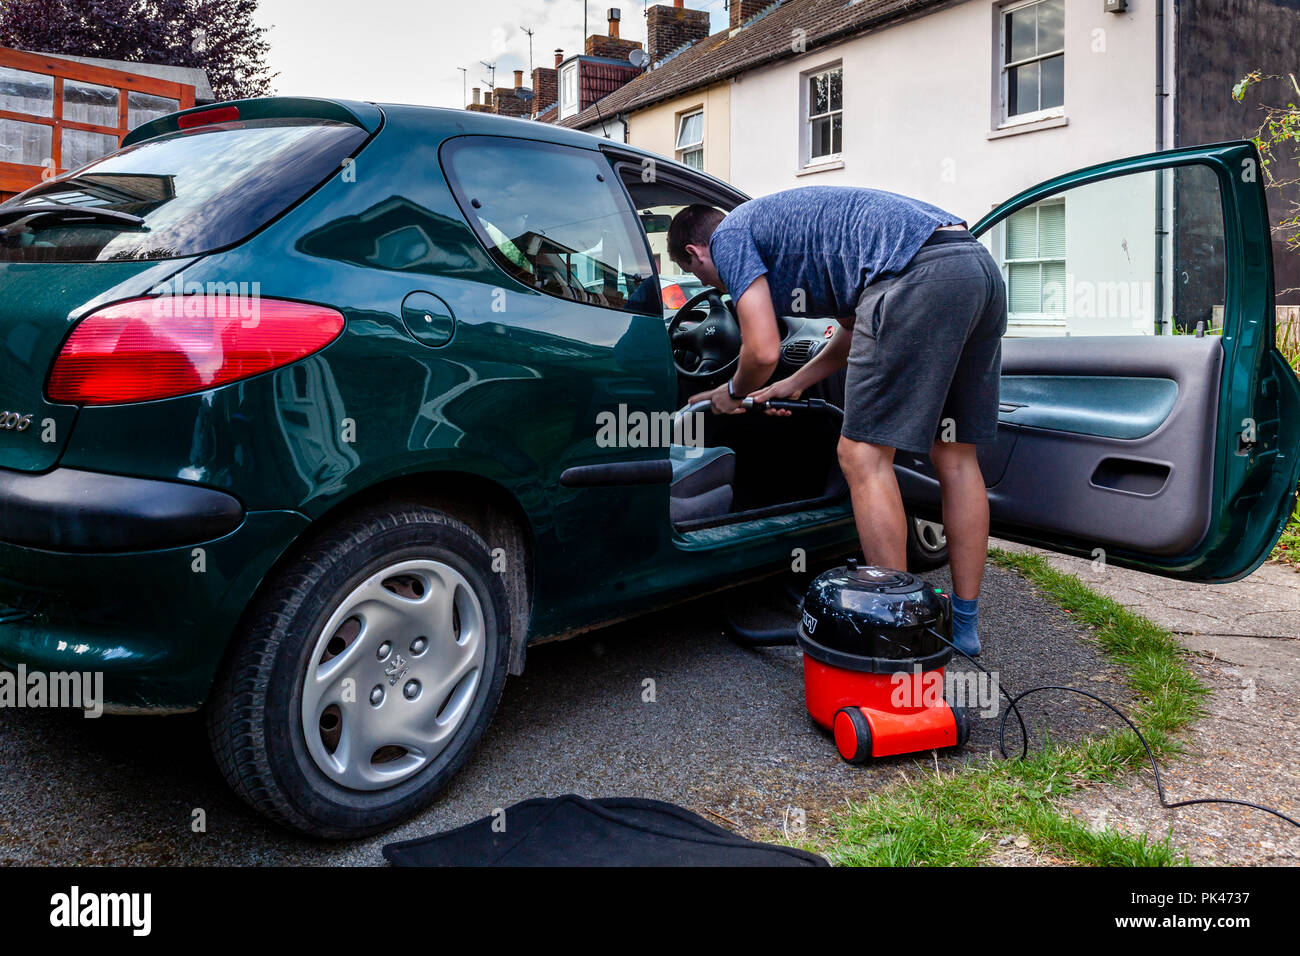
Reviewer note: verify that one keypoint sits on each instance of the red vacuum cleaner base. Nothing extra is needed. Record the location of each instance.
(880, 715)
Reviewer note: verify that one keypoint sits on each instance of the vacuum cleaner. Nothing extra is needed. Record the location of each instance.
(873, 661)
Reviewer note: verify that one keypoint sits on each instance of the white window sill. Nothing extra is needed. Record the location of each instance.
(1028, 328)
(1031, 126)
(813, 168)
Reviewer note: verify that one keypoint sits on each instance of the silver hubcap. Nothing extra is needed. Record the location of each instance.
(393, 674)
(930, 534)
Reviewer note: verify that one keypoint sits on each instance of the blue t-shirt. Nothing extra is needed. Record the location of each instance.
(820, 246)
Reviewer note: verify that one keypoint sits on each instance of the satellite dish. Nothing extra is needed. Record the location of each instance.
(525, 94)
(639, 57)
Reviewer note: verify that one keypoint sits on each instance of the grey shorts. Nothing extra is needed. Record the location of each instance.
(926, 355)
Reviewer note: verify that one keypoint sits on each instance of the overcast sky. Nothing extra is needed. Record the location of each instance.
(408, 51)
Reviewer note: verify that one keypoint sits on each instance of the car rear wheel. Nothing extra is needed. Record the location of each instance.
(927, 544)
(366, 674)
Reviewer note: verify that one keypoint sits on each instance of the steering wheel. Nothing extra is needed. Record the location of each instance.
(714, 340)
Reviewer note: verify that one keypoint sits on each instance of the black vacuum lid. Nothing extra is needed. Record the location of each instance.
(877, 619)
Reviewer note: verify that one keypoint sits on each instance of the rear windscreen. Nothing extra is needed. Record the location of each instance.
(195, 191)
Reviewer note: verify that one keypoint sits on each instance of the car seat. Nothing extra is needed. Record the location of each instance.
(702, 482)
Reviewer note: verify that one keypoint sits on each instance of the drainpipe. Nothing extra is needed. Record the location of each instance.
(1160, 174)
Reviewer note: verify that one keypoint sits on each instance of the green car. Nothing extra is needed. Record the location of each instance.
(316, 415)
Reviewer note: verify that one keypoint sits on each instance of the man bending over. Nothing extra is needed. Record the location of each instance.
(922, 310)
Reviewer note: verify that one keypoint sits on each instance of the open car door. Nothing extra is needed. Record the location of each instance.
(1147, 417)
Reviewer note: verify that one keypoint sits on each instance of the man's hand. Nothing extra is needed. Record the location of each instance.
(786, 388)
(723, 404)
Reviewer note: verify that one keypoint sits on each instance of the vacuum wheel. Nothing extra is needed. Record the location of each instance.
(962, 718)
(852, 735)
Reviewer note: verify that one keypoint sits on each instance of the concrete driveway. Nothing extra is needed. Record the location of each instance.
(1244, 644)
(726, 736)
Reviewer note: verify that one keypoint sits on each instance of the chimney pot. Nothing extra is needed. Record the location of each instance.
(559, 57)
(477, 94)
(614, 17)
(487, 99)
(519, 79)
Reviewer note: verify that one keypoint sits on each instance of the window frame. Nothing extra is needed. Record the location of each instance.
(1040, 319)
(680, 150)
(806, 158)
(1003, 66)
(635, 237)
(569, 107)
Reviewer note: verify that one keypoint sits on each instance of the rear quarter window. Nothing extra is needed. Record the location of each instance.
(555, 218)
(197, 191)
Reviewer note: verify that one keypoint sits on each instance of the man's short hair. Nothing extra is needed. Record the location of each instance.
(693, 226)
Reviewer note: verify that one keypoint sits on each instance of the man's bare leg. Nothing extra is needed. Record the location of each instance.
(965, 514)
(966, 522)
(877, 502)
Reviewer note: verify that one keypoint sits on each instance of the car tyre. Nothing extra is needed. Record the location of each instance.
(405, 568)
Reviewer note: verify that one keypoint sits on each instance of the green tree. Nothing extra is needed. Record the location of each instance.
(219, 36)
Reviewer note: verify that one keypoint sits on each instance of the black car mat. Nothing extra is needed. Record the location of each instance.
(575, 831)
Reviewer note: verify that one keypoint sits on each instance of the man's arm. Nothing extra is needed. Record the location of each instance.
(833, 357)
(760, 348)
(760, 338)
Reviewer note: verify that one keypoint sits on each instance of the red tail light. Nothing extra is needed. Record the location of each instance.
(221, 114)
(147, 349)
(673, 296)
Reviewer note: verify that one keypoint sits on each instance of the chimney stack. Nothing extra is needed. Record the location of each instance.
(670, 28)
(611, 46)
(742, 10)
(545, 89)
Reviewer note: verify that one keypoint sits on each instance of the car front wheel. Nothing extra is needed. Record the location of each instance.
(366, 674)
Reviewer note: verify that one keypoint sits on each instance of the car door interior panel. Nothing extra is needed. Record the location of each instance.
(1106, 441)
(1109, 406)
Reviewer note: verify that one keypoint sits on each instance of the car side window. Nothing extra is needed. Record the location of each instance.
(657, 201)
(554, 218)
(1137, 254)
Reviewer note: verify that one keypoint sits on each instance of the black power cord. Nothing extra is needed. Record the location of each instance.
(1013, 703)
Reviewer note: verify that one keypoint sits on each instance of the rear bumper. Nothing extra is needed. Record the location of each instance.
(71, 510)
(154, 619)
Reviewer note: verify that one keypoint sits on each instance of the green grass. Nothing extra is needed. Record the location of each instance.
(1288, 546)
(958, 818)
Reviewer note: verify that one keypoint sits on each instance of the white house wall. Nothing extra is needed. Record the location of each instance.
(920, 111)
(918, 104)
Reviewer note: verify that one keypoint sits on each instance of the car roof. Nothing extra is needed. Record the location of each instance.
(429, 123)
(444, 123)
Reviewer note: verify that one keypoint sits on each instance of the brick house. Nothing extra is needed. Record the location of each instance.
(603, 67)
